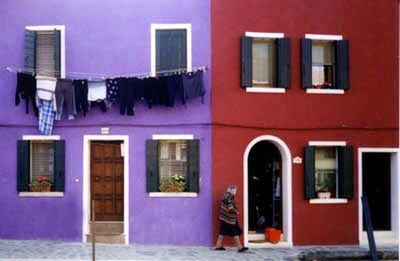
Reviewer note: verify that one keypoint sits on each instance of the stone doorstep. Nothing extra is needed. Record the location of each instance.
(107, 238)
(115, 228)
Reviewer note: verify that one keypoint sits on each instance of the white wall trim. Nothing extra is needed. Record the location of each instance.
(41, 194)
(173, 137)
(328, 201)
(324, 91)
(264, 35)
(265, 90)
(395, 195)
(86, 181)
(40, 137)
(286, 187)
(173, 194)
(327, 143)
(154, 28)
(60, 28)
(328, 37)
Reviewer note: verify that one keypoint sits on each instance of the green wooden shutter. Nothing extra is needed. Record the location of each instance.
(57, 53)
(342, 64)
(246, 56)
(309, 172)
(59, 165)
(193, 166)
(23, 165)
(283, 62)
(152, 165)
(171, 50)
(30, 50)
(346, 172)
(306, 63)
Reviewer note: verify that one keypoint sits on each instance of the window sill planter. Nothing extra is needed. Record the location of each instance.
(173, 194)
(324, 194)
(272, 235)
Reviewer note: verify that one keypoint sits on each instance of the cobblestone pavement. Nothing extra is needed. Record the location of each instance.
(55, 250)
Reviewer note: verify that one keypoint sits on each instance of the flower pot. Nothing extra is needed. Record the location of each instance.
(46, 188)
(324, 194)
(272, 235)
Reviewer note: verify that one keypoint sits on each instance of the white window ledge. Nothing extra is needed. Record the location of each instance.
(41, 194)
(328, 201)
(173, 194)
(325, 91)
(265, 90)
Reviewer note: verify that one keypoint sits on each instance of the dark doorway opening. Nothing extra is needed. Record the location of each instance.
(264, 187)
(376, 171)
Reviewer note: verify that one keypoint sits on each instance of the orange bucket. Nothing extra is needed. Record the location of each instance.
(272, 235)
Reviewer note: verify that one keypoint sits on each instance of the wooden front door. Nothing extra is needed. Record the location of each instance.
(107, 180)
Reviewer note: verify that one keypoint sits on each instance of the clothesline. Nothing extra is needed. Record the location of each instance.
(92, 76)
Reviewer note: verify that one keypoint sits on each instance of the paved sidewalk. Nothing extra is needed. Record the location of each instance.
(54, 250)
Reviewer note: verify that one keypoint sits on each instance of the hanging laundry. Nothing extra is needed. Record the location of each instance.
(99, 103)
(65, 94)
(81, 96)
(45, 90)
(26, 89)
(112, 89)
(173, 84)
(193, 86)
(97, 90)
(127, 96)
(46, 116)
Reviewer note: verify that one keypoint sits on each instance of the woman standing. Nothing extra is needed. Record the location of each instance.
(229, 225)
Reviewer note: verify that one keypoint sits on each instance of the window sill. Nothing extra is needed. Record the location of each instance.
(265, 90)
(41, 194)
(328, 201)
(173, 194)
(325, 91)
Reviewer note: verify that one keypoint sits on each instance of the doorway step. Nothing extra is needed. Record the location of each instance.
(108, 232)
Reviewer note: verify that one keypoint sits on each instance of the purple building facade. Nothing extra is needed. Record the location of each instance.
(108, 39)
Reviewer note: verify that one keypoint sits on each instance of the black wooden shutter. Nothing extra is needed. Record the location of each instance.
(171, 50)
(193, 166)
(30, 50)
(345, 172)
(23, 165)
(59, 165)
(283, 62)
(152, 165)
(342, 64)
(309, 172)
(57, 53)
(246, 56)
(306, 63)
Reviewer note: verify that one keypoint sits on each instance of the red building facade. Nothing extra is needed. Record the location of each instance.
(305, 100)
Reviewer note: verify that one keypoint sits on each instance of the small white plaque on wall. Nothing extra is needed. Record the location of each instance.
(297, 160)
(105, 130)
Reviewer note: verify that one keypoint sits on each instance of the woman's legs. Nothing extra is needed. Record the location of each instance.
(219, 241)
(237, 241)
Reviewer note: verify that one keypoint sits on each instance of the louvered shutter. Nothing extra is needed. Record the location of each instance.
(152, 165)
(342, 64)
(283, 62)
(306, 63)
(246, 61)
(193, 166)
(345, 172)
(57, 53)
(42, 159)
(23, 165)
(171, 50)
(30, 50)
(45, 53)
(309, 172)
(59, 165)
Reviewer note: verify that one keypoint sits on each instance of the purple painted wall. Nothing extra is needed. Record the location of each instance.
(111, 38)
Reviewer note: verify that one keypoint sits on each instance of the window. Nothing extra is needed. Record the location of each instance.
(44, 50)
(171, 48)
(265, 60)
(325, 62)
(40, 165)
(328, 172)
(172, 165)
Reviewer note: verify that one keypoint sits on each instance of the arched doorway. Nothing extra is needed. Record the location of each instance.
(267, 190)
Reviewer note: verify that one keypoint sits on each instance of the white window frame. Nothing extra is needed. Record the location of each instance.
(40, 194)
(328, 200)
(154, 28)
(60, 28)
(324, 37)
(173, 194)
(267, 36)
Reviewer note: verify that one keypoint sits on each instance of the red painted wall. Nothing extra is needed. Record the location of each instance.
(365, 116)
